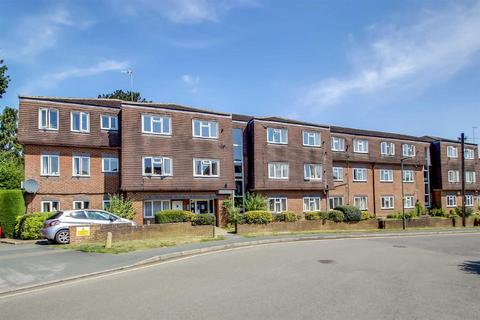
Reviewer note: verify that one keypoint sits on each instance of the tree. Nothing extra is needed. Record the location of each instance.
(4, 79)
(122, 207)
(8, 132)
(124, 95)
(254, 202)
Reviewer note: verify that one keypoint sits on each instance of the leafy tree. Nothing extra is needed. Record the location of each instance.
(11, 171)
(8, 132)
(4, 79)
(124, 95)
(122, 207)
(233, 211)
(255, 202)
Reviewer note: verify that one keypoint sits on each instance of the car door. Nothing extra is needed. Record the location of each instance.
(97, 217)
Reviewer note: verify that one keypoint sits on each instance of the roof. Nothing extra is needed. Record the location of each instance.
(112, 103)
(290, 121)
(371, 133)
(435, 139)
(173, 106)
(241, 117)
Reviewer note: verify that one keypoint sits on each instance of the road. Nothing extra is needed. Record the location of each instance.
(427, 277)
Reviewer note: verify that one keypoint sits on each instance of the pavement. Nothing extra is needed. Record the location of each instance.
(423, 276)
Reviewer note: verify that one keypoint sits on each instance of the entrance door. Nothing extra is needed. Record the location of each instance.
(177, 205)
(202, 206)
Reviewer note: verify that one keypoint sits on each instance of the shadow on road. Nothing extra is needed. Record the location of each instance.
(471, 267)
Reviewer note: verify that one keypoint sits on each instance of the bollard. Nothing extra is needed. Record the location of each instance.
(108, 243)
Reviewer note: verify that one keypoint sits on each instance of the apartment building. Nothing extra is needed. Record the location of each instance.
(168, 156)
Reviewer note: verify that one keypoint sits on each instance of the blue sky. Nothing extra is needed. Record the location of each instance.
(401, 66)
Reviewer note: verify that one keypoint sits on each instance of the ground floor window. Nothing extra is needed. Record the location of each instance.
(387, 202)
(50, 206)
(311, 204)
(150, 207)
(81, 204)
(277, 205)
(409, 202)
(335, 201)
(361, 202)
(469, 200)
(105, 205)
(201, 206)
(451, 200)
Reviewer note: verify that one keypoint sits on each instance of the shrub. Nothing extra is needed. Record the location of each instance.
(233, 212)
(336, 216)
(28, 226)
(172, 216)
(351, 213)
(437, 212)
(399, 215)
(366, 215)
(468, 211)
(122, 207)
(258, 217)
(203, 219)
(318, 215)
(255, 202)
(11, 206)
(419, 210)
(286, 217)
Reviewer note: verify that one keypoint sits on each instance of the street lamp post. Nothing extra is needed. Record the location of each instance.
(404, 222)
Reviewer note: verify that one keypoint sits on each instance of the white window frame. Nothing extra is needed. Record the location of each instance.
(159, 119)
(408, 150)
(49, 171)
(452, 152)
(469, 154)
(150, 203)
(279, 132)
(337, 144)
(209, 124)
(281, 201)
(387, 202)
(453, 176)
(206, 162)
(82, 206)
(161, 161)
(283, 167)
(451, 200)
(80, 164)
(311, 204)
(410, 204)
(48, 125)
(470, 177)
(469, 200)
(386, 173)
(407, 173)
(355, 174)
(387, 148)
(80, 114)
(333, 199)
(105, 204)
(110, 160)
(360, 142)
(317, 171)
(314, 135)
(340, 173)
(110, 122)
(363, 206)
(50, 204)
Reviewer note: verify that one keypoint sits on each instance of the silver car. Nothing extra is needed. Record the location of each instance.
(57, 227)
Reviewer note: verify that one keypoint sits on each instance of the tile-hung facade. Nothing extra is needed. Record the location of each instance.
(166, 156)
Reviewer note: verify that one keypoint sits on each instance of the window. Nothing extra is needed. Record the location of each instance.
(470, 177)
(277, 135)
(278, 170)
(361, 202)
(312, 171)
(337, 173)
(81, 205)
(469, 154)
(156, 124)
(201, 206)
(311, 204)
(386, 175)
(469, 200)
(109, 164)
(80, 121)
(206, 168)
(338, 144)
(105, 204)
(150, 207)
(409, 202)
(81, 166)
(237, 135)
(78, 215)
(451, 200)
(335, 201)
(49, 165)
(453, 176)
(48, 119)
(452, 152)
(205, 129)
(360, 146)
(109, 122)
(359, 174)
(157, 166)
(277, 205)
(311, 139)
(387, 148)
(408, 176)
(408, 150)
(50, 206)
(387, 202)
(97, 215)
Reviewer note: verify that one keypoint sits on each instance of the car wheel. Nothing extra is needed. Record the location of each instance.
(62, 237)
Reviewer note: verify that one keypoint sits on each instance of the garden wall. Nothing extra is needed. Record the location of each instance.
(424, 222)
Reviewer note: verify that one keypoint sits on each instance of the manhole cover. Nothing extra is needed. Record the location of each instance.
(398, 246)
(326, 261)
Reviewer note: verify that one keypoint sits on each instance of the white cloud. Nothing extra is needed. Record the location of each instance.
(433, 48)
(191, 81)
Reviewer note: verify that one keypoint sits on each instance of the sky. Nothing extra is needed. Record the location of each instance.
(406, 66)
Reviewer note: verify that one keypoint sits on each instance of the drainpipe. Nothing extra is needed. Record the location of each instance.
(374, 192)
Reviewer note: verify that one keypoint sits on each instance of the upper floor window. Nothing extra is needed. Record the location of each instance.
(469, 154)
(470, 177)
(408, 176)
(312, 171)
(387, 148)
(311, 204)
(360, 145)
(278, 170)
(48, 119)
(110, 164)
(156, 124)
(205, 129)
(109, 122)
(361, 202)
(80, 121)
(311, 139)
(386, 175)
(206, 168)
(277, 205)
(277, 135)
(157, 166)
(338, 144)
(81, 166)
(452, 152)
(337, 173)
(359, 174)
(453, 176)
(49, 165)
(408, 150)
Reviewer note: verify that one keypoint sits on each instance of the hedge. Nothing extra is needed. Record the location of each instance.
(28, 226)
(12, 205)
(351, 213)
(258, 217)
(285, 217)
(172, 216)
(336, 216)
(203, 219)
(316, 215)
